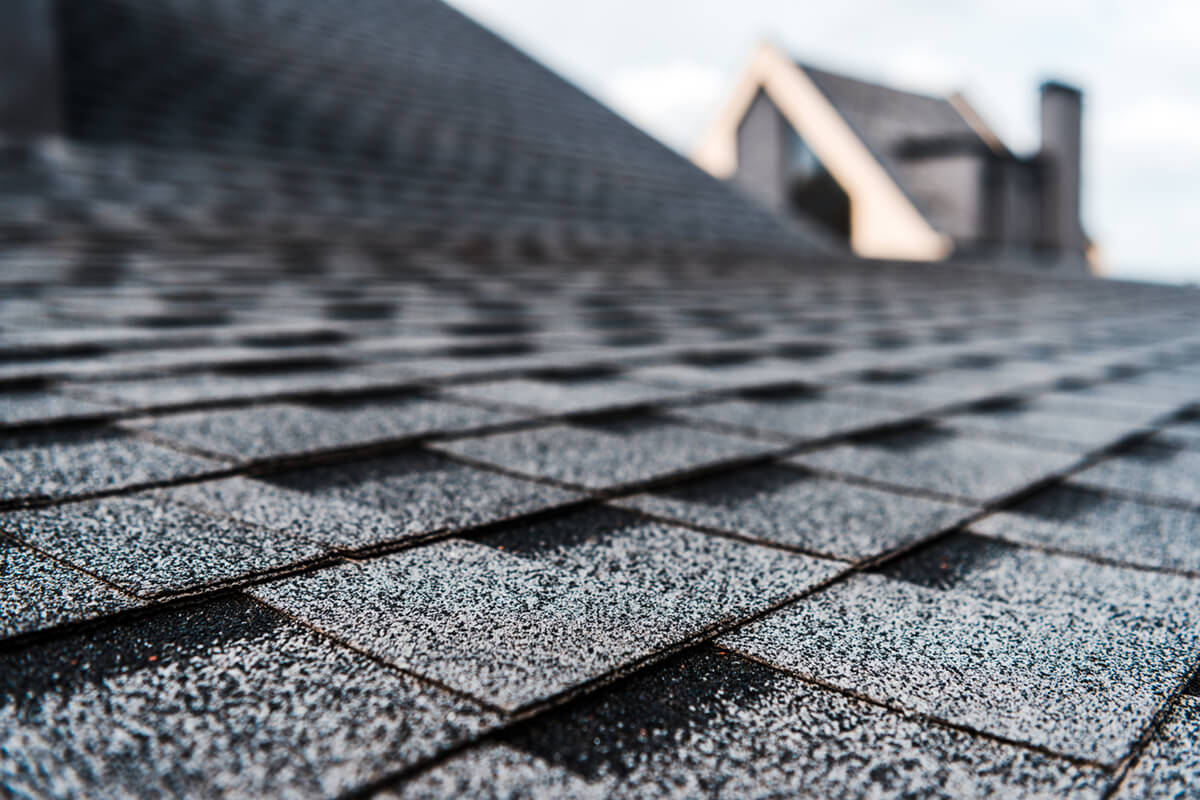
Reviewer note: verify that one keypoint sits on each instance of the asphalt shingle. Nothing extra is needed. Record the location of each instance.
(1070, 680)
(787, 506)
(940, 460)
(797, 416)
(560, 605)
(566, 396)
(277, 430)
(1170, 764)
(1077, 520)
(69, 463)
(225, 699)
(37, 592)
(151, 546)
(606, 455)
(716, 724)
(1162, 469)
(373, 502)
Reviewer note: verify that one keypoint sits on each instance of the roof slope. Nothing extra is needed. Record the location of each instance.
(889, 121)
(371, 520)
(404, 112)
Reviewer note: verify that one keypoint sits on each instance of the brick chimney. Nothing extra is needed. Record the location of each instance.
(1062, 118)
(29, 84)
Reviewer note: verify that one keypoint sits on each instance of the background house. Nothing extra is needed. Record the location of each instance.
(898, 174)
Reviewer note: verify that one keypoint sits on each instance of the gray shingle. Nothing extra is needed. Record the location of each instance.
(377, 501)
(151, 546)
(731, 375)
(565, 396)
(67, 463)
(43, 404)
(225, 699)
(939, 460)
(1043, 429)
(1169, 767)
(788, 507)
(719, 725)
(800, 416)
(1068, 518)
(36, 592)
(606, 455)
(999, 572)
(1162, 469)
(576, 601)
(1072, 681)
(271, 431)
(182, 390)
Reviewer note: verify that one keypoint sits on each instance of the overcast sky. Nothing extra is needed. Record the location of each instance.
(668, 64)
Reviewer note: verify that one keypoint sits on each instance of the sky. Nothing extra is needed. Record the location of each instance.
(668, 65)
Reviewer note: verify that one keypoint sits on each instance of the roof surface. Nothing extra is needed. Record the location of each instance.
(392, 114)
(387, 521)
(300, 496)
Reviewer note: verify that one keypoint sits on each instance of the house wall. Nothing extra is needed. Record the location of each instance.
(1019, 204)
(761, 158)
(29, 86)
(952, 187)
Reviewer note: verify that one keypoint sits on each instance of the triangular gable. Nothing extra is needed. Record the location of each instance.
(885, 221)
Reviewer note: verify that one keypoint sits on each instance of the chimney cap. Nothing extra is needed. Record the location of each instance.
(1053, 86)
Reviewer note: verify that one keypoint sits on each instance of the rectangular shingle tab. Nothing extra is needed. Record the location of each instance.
(1170, 765)
(37, 592)
(1073, 519)
(43, 405)
(565, 396)
(718, 724)
(1161, 469)
(607, 454)
(543, 609)
(796, 416)
(223, 699)
(1086, 685)
(942, 460)
(75, 462)
(1049, 429)
(283, 429)
(376, 501)
(149, 545)
(787, 506)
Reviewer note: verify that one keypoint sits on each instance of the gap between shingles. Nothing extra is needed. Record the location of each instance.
(1152, 729)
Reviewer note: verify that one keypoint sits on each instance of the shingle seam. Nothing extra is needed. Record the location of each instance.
(725, 533)
(43, 501)
(1063, 551)
(1152, 729)
(1137, 497)
(924, 717)
(339, 642)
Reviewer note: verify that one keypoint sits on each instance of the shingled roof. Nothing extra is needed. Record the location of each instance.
(591, 528)
(394, 115)
(338, 511)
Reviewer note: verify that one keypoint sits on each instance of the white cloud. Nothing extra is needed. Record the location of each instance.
(1156, 127)
(922, 69)
(671, 100)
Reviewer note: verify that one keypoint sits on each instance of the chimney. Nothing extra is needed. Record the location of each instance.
(29, 86)
(1062, 117)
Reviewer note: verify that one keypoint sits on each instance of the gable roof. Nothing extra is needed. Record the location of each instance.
(893, 123)
(407, 112)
